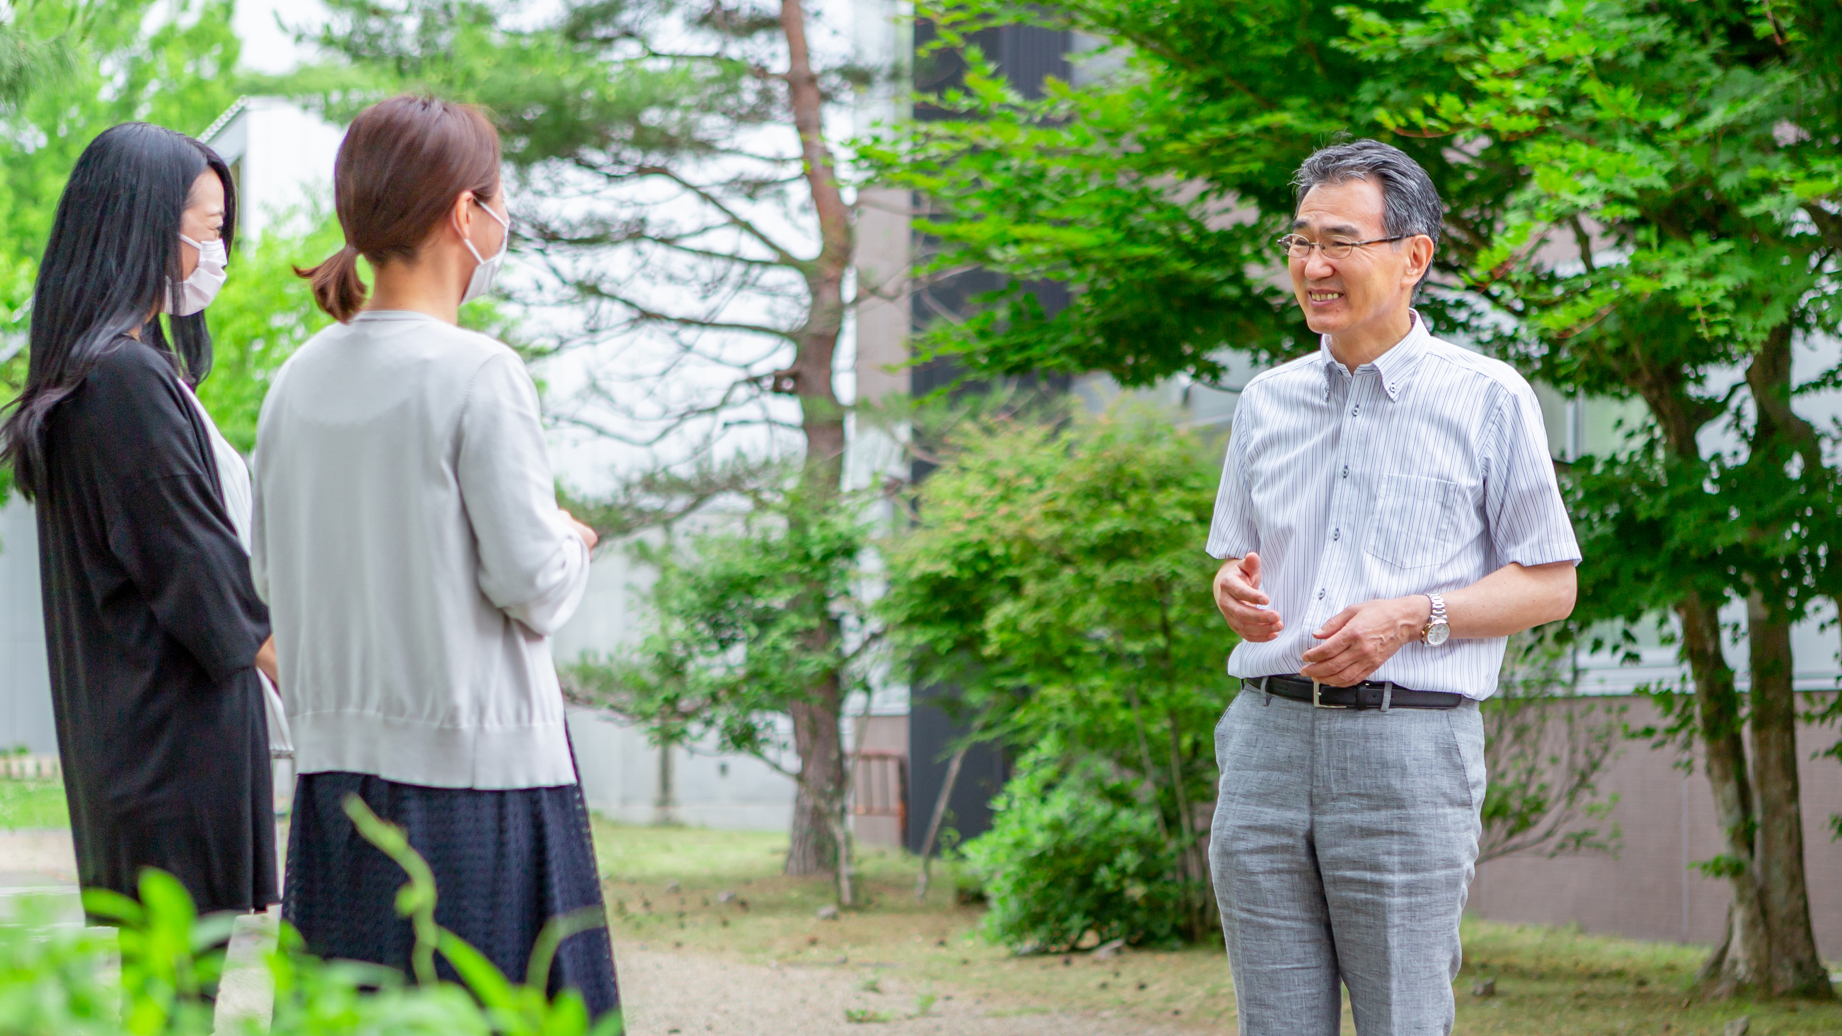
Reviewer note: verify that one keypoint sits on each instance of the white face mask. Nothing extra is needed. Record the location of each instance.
(481, 281)
(196, 292)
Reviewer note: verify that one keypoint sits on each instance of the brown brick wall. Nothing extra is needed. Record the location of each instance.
(1667, 819)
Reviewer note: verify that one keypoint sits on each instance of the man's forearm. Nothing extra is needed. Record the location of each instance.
(1512, 599)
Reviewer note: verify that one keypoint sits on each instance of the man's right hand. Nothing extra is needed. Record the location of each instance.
(1237, 594)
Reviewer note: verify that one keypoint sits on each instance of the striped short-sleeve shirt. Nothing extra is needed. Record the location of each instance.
(1423, 471)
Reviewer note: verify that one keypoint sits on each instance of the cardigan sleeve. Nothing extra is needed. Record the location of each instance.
(533, 566)
(164, 521)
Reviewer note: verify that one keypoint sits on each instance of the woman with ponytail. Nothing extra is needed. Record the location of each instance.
(153, 628)
(408, 542)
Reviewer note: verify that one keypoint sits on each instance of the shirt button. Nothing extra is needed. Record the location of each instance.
(1336, 533)
(1320, 595)
(1346, 471)
(1357, 409)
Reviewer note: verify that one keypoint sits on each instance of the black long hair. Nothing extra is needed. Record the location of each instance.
(114, 248)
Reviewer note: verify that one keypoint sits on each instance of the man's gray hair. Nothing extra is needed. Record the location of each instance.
(1410, 202)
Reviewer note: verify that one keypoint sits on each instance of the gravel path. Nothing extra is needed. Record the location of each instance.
(670, 992)
(674, 991)
(42, 853)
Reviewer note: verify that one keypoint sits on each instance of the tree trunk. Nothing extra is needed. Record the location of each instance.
(1742, 959)
(1779, 435)
(1794, 968)
(665, 803)
(816, 846)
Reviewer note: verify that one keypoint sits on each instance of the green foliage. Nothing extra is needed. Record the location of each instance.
(1685, 153)
(28, 63)
(262, 315)
(33, 804)
(1644, 207)
(755, 620)
(52, 978)
(1054, 590)
(744, 623)
(1073, 850)
(55, 981)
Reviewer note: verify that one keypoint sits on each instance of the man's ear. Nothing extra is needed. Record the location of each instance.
(1419, 258)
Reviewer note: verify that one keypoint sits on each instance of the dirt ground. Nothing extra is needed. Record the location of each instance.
(680, 992)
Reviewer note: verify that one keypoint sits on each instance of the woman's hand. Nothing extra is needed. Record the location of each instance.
(589, 539)
(265, 661)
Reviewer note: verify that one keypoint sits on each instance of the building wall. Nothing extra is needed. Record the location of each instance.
(25, 683)
(1650, 890)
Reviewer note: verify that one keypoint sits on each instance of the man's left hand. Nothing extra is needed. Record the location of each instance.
(1357, 640)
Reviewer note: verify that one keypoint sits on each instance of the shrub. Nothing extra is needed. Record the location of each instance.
(55, 981)
(1054, 591)
(1071, 851)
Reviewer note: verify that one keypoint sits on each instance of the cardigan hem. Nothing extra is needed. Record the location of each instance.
(408, 752)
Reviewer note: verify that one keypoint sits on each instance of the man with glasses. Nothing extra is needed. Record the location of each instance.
(1388, 515)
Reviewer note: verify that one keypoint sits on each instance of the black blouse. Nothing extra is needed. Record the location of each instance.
(152, 626)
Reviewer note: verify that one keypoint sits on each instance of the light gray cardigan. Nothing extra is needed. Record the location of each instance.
(407, 539)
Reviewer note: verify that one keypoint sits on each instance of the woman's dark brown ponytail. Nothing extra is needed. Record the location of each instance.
(336, 284)
(400, 167)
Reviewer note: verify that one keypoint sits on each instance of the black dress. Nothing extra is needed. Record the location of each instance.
(152, 626)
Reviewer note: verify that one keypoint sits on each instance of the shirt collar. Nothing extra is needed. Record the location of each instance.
(1393, 366)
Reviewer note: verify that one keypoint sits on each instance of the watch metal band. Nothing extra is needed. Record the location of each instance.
(1437, 618)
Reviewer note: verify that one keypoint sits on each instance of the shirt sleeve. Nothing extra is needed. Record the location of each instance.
(1522, 501)
(1232, 533)
(533, 566)
(165, 523)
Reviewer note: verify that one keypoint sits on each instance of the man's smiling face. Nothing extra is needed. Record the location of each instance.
(1371, 287)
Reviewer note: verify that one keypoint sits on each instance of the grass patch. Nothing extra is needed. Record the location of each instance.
(33, 804)
(719, 892)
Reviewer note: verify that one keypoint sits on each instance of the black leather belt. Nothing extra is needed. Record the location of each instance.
(1369, 694)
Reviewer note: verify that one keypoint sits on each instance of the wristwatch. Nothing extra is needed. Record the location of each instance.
(1437, 631)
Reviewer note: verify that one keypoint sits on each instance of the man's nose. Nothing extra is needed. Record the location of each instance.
(1317, 267)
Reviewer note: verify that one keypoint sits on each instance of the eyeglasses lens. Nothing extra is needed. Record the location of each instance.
(1300, 248)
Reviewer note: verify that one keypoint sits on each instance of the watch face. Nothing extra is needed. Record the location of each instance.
(1437, 633)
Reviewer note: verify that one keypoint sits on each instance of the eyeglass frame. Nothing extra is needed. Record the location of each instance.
(1349, 246)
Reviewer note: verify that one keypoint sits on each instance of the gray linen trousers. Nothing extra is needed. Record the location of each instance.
(1342, 850)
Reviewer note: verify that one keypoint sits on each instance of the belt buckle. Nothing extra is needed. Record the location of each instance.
(1317, 701)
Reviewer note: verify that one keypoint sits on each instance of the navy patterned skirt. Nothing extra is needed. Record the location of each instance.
(505, 862)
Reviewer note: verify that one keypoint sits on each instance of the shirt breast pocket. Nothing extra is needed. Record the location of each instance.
(1413, 525)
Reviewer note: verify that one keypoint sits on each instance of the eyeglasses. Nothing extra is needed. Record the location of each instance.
(1300, 247)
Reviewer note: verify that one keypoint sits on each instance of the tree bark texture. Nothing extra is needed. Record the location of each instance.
(814, 848)
(1794, 968)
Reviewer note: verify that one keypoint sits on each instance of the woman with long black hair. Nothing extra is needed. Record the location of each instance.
(152, 623)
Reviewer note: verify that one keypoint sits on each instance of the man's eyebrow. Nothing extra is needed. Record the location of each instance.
(1339, 229)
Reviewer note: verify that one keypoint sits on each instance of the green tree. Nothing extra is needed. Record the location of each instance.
(1642, 205)
(1049, 583)
(29, 62)
(757, 619)
(707, 224)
